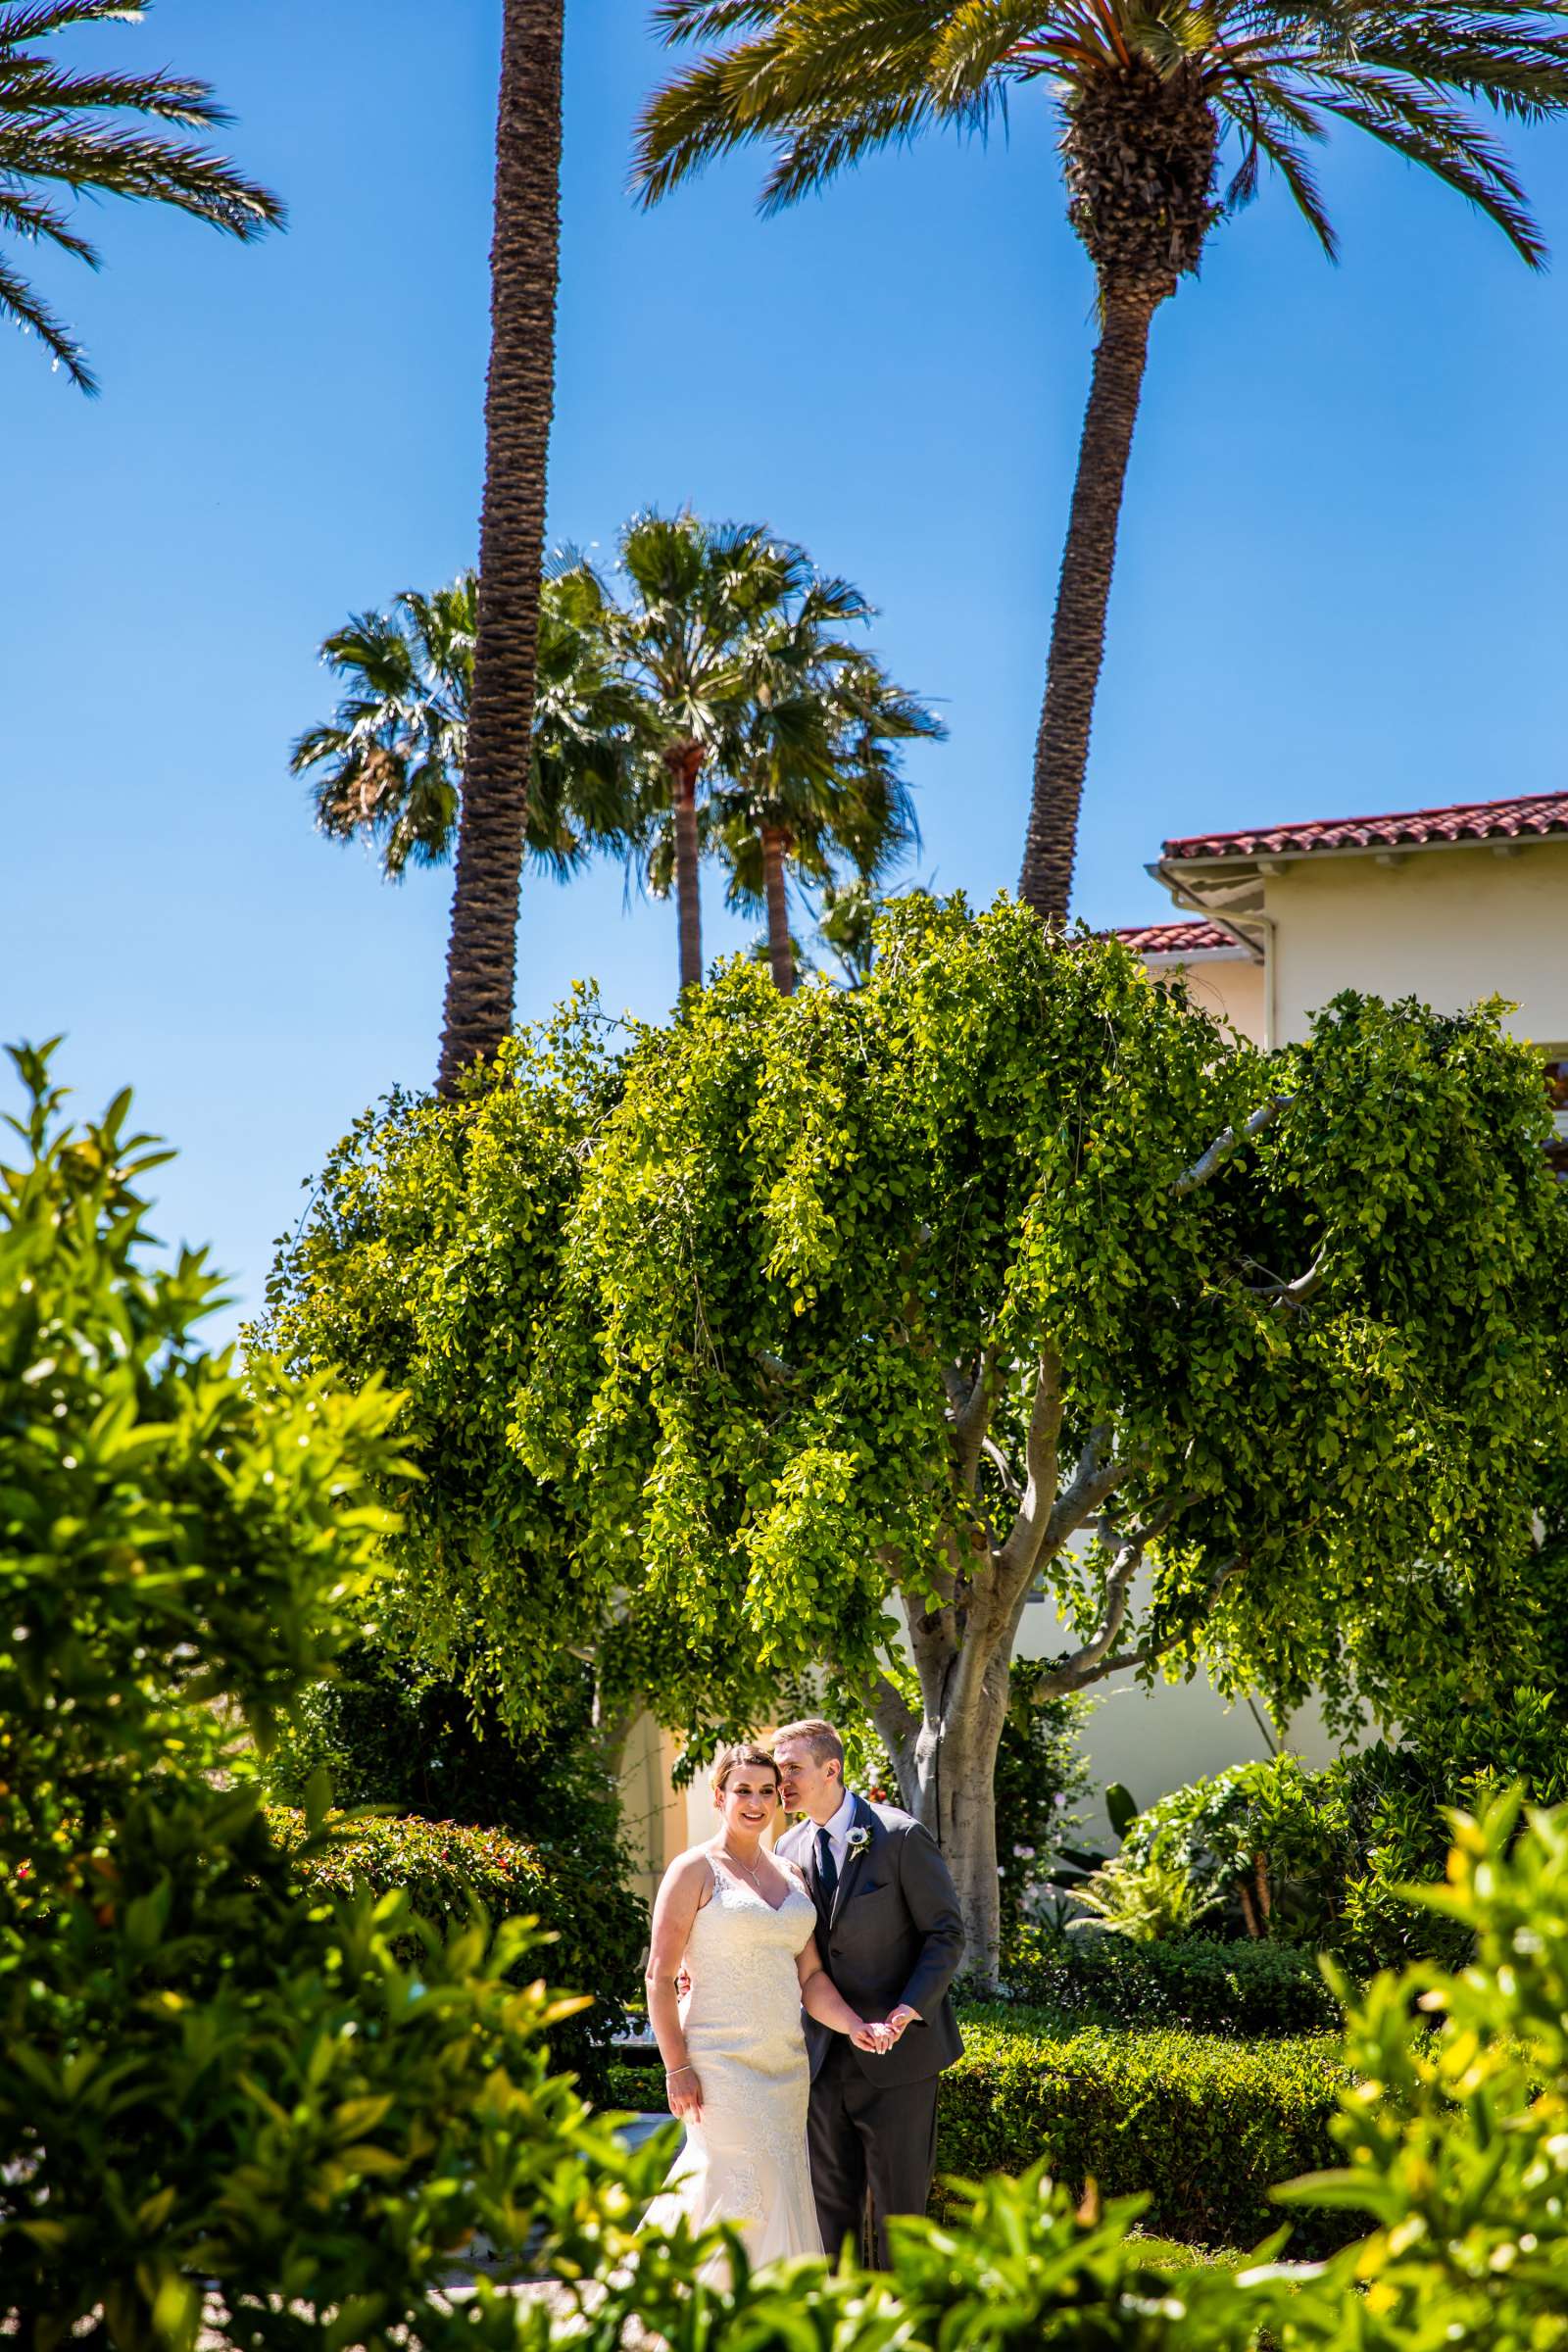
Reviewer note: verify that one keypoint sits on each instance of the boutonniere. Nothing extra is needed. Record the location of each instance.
(858, 1839)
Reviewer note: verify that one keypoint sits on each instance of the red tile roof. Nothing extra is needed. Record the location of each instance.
(1539, 814)
(1173, 939)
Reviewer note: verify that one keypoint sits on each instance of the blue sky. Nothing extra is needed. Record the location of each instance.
(1340, 580)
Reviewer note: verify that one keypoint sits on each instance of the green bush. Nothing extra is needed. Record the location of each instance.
(389, 1731)
(1201, 2125)
(1210, 1987)
(223, 2103)
(1322, 1859)
(599, 1929)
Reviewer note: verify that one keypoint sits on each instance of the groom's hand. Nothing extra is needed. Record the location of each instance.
(903, 2016)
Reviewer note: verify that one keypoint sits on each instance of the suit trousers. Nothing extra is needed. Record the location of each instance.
(868, 2138)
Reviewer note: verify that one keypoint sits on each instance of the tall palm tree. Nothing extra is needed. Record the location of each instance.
(59, 132)
(1147, 93)
(388, 767)
(701, 598)
(520, 398)
(810, 778)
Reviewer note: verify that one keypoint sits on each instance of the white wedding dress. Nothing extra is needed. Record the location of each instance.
(745, 2163)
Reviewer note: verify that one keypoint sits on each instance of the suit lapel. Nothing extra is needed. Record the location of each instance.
(863, 1818)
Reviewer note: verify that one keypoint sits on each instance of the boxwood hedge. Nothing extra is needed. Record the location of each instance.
(1203, 2126)
(1199, 1982)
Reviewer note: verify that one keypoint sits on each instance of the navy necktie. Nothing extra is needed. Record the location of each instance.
(827, 1873)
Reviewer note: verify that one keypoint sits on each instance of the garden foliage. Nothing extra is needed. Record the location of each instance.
(597, 1930)
(1321, 1860)
(1203, 2126)
(211, 2072)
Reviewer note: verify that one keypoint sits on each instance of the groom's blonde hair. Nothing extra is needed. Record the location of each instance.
(820, 1739)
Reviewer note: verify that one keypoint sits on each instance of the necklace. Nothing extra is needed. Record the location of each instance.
(749, 1875)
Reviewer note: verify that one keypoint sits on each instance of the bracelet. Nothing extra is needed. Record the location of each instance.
(670, 2072)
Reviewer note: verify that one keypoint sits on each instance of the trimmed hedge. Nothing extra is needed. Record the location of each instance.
(600, 1927)
(1199, 1983)
(1206, 2126)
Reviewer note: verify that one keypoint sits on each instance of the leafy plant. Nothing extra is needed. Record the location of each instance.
(387, 767)
(1239, 1988)
(228, 2104)
(1148, 1899)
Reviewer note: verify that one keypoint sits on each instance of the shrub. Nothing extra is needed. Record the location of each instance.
(216, 2091)
(599, 1929)
(389, 1731)
(1322, 1859)
(1210, 1987)
(1203, 2126)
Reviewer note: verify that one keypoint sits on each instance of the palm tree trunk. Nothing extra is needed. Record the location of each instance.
(1078, 634)
(685, 764)
(524, 266)
(780, 947)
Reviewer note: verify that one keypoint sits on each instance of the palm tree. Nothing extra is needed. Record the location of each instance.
(388, 767)
(702, 600)
(811, 783)
(59, 132)
(520, 397)
(1148, 92)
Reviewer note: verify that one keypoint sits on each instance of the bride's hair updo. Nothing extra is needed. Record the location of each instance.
(730, 1759)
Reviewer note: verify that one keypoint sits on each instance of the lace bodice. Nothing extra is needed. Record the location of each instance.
(741, 1961)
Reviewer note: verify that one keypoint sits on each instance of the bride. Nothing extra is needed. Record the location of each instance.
(739, 1929)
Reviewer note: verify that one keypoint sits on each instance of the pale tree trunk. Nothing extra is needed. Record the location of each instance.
(780, 947)
(684, 762)
(1012, 1517)
(1078, 632)
(524, 266)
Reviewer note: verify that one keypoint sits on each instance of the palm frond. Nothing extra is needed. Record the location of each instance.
(1453, 149)
(19, 302)
(42, 222)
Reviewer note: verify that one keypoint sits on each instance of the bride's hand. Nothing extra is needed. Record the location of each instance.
(684, 2090)
(876, 2039)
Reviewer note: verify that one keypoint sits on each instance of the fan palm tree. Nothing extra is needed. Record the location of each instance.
(1147, 93)
(64, 130)
(520, 398)
(702, 598)
(388, 767)
(810, 778)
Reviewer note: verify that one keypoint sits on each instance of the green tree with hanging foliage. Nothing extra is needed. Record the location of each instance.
(823, 1330)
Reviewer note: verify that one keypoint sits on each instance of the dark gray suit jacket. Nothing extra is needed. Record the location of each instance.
(894, 1933)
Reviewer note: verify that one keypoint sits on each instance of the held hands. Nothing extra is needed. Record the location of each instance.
(878, 2040)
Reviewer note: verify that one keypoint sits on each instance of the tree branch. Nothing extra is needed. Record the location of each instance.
(1019, 1556)
(1003, 1469)
(969, 1408)
(1092, 1664)
(1092, 1484)
(1298, 1292)
(1210, 1163)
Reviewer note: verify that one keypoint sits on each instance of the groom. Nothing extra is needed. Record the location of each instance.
(891, 1938)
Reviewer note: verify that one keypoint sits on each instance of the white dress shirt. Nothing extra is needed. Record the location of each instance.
(838, 1833)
